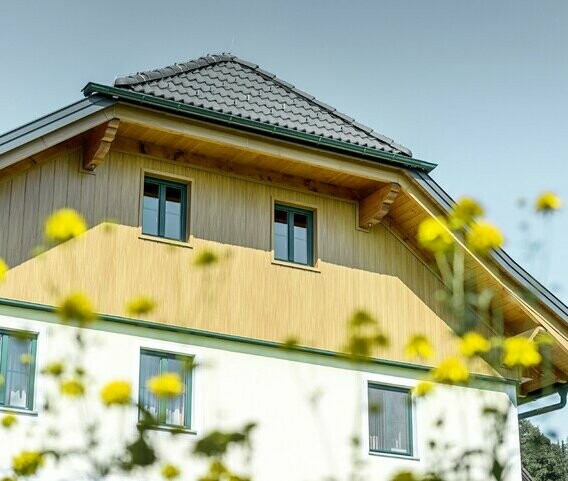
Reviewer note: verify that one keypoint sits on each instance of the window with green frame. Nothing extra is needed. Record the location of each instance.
(293, 235)
(164, 209)
(17, 369)
(173, 411)
(390, 420)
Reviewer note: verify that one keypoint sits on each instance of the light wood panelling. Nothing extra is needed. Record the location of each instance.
(245, 294)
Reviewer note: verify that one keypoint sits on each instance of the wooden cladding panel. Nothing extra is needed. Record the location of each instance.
(373, 271)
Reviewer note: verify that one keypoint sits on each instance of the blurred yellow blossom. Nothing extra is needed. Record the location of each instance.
(116, 393)
(206, 258)
(464, 213)
(520, 351)
(483, 237)
(64, 225)
(451, 370)
(3, 269)
(169, 471)
(422, 389)
(53, 369)
(166, 385)
(405, 476)
(547, 202)
(419, 346)
(76, 307)
(26, 358)
(473, 343)
(433, 234)
(27, 463)
(140, 306)
(72, 388)
(9, 420)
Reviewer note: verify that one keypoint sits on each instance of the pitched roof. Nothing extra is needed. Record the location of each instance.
(227, 84)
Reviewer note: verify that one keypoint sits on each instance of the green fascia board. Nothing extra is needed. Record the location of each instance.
(484, 381)
(395, 160)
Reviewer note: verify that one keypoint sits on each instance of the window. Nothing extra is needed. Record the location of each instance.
(390, 420)
(17, 369)
(164, 209)
(175, 411)
(293, 235)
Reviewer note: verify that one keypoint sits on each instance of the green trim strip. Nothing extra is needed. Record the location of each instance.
(245, 340)
(396, 160)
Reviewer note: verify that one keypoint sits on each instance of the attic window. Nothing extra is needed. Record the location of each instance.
(293, 235)
(164, 210)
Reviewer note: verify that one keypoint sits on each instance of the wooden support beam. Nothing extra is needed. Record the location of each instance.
(374, 207)
(248, 171)
(97, 144)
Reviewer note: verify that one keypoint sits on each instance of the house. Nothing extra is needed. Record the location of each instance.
(312, 216)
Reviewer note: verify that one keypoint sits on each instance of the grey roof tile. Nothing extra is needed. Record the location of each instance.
(225, 83)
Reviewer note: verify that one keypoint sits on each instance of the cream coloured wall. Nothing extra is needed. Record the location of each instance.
(307, 406)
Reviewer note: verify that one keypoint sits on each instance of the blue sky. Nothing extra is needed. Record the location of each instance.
(478, 87)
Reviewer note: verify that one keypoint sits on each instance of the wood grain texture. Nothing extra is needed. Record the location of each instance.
(245, 294)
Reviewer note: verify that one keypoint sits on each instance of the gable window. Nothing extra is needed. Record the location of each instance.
(171, 411)
(293, 235)
(390, 420)
(17, 369)
(164, 209)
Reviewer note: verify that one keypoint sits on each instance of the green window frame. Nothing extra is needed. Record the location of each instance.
(390, 420)
(165, 363)
(157, 227)
(11, 368)
(284, 243)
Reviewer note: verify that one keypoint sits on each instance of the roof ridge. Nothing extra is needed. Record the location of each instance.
(213, 59)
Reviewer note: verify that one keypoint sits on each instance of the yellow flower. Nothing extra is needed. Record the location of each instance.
(140, 306)
(547, 202)
(405, 476)
(483, 237)
(451, 370)
(433, 234)
(53, 369)
(27, 463)
(26, 358)
(72, 388)
(169, 471)
(116, 393)
(166, 385)
(473, 343)
(76, 307)
(423, 388)
(419, 346)
(64, 225)
(205, 258)
(520, 351)
(464, 213)
(3, 269)
(9, 420)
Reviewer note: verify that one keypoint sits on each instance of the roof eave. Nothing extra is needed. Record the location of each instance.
(374, 155)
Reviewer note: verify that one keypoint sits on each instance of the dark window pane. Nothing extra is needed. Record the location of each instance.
(18, 372)
(151, 210)
(389, 421)
(300, 238)
(173, 216)
(281, 234)
(149, 367)
(175, 406)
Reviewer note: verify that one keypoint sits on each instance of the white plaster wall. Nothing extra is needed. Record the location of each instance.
(307, 408)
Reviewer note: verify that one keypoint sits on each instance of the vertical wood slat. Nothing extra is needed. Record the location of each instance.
(373, 271)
